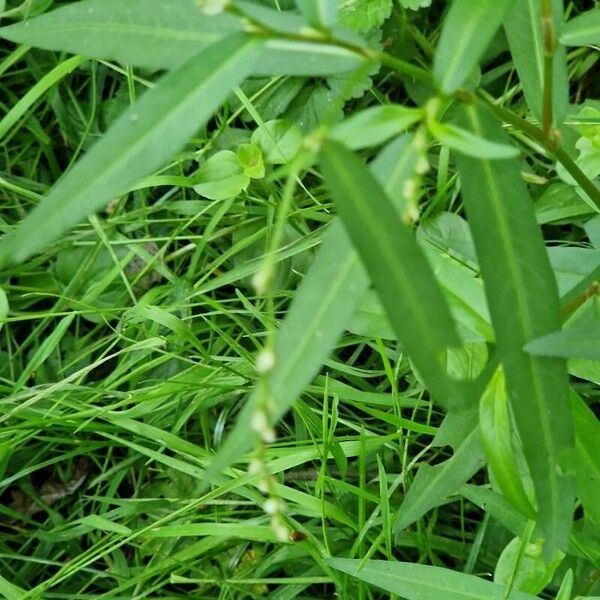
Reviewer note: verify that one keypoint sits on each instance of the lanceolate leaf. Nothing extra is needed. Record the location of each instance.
(401, 275)
(524, 304)
(582, 30)
(468, 29)
(580, 341)
(523, 27)
(433, 485)
(163, 34)
(325, 301)
(422, 582)
(320, 13)
(145, 137)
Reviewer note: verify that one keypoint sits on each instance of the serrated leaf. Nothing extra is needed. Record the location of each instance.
(364, 15)
(524, 304)
(422, 582)
(375, 125)
(433, 485)
(472, 145)
(399, 272)
(583, 29)
(140, 141)
(468, 29)
(523, 27)
(581, 341)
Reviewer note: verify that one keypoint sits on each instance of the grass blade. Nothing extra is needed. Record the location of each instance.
(468, 29)
(143, 138)
(401, 275)
(524, 304)
(422, 582)
(523, 28)
(581, 341)
(582, 30)
(433, 485)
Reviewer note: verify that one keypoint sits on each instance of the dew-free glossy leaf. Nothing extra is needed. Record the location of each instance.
(524, 304)
(433, 485)
(142, 139)
(523, 27)
(582, 30)
(579, 341)
(422, 582)
(400, 273)
(468, 29)
(375, 125)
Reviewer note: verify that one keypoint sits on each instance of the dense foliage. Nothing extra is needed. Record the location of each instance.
(300, 298)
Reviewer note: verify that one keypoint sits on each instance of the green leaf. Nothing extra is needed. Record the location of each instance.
(146, 33)
(524, 304)
(321, 309)
(469, 144)
(523, 27)
(140, 141)
(280, 140)
(251, 160)
(433, 485)
(400, 273)
(580, 341)
(582, 30)
(422, 582)
(10, 591)
(468, 30)
(319, 13)
(587, 456)
(496, 436)
(566, 587)
(522, 565)
(364, 15)
(221, 177)
(375, 125)
(3, 307)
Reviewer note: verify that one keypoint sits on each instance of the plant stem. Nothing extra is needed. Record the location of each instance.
(549, 47)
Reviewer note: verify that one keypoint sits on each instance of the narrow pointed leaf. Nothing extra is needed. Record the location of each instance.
(146, 33)
(524, 304)
(523, 27)
(583, 29)
(581, 341)
(400, 273)
(143, 138)
(422, 582)
(433, 485)
(326, 300)
(468, 29)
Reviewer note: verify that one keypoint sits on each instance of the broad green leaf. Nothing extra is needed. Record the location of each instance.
(280, 140)
(221, 177)
(582, 30)
(422, 582)
(320, 13)
(579, 341)
(468, 29)
(523, 565)
(472, 145)
(400, 273)
(523, 302)
(375, 125)
(140, 141)
(146, 33)
(433, 485)
(250, 158)
(321, 309)
(587, 456)
(496, 436)
(523, 27)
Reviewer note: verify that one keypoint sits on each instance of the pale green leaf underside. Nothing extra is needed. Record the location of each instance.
(582, 30)
(422, 582)
(574, 342)
(144, 137)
